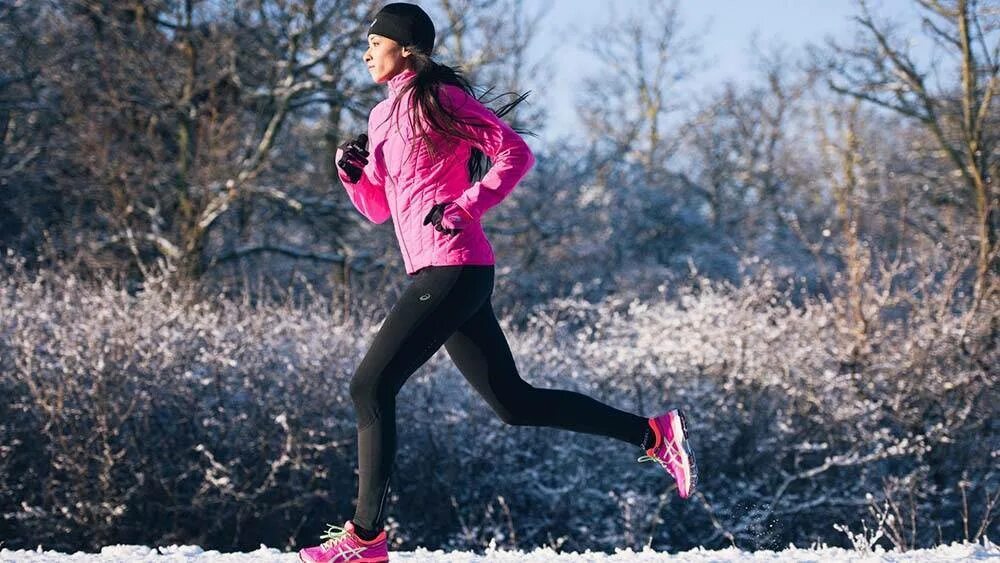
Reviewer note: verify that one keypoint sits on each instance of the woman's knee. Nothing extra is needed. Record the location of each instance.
(364, 388)
(521, 409)
(367, 394)
(512, 418)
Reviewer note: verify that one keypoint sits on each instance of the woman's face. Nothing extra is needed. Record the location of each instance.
(385, 58)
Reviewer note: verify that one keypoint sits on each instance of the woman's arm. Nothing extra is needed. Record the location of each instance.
(368, 193)
(510, 154)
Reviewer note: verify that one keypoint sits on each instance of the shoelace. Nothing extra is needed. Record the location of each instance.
(333, 535)
(674, 458)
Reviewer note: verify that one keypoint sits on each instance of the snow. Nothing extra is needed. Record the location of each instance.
(133, 554)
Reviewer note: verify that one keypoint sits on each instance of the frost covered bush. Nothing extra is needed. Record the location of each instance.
(158, 417)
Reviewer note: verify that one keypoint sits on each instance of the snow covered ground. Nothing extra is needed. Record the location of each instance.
(131, 554)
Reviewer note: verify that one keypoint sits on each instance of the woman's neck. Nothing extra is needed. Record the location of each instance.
(401, 79)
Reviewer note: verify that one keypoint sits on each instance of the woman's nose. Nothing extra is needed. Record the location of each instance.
(367, 56)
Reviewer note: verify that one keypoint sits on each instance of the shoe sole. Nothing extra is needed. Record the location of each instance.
(689, 453)
(362, 560)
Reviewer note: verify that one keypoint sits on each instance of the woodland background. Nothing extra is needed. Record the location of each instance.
(807, 263)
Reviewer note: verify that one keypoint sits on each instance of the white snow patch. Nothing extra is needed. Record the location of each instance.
(133, 554)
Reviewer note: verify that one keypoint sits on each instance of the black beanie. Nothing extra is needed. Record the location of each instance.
(406, 24)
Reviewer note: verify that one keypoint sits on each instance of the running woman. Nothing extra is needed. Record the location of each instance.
(415, 166)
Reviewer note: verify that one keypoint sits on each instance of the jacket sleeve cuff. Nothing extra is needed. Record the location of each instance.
(465, 206)
(368, 198)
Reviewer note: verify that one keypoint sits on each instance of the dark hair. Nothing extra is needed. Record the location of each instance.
(425, 86)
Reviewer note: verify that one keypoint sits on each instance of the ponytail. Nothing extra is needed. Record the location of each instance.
(430, 75)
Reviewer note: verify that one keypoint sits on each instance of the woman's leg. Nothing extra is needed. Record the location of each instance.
(481, 352)
(439, 300)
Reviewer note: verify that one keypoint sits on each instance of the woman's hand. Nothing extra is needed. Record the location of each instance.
(354, 158)
(447, 218)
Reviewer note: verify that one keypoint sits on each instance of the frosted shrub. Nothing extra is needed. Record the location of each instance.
(157, 418)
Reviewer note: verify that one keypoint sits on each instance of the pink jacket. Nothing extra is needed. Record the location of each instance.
(403, 180)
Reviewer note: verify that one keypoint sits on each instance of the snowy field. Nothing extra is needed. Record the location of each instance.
(131, 554)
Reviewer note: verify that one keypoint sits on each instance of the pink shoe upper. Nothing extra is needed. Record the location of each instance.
(342, 545)
(672, 450)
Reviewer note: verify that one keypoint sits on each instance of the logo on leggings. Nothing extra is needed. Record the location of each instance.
(425, 297)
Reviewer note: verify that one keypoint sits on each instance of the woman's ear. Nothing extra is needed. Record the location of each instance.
(406, 52)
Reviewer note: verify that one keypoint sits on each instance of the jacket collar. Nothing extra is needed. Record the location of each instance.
(397, 82)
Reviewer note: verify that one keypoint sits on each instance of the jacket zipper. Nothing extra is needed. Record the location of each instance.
(399, 226)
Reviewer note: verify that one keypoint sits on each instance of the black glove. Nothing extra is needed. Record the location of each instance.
(355, 157)
(436, 215)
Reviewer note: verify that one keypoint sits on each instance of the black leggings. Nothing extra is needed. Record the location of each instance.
(450, 305)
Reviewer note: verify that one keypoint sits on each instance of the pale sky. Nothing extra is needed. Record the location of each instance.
(725, 28)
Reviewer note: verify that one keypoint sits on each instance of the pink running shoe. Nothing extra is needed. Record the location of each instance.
(342, 545)
(673, 451)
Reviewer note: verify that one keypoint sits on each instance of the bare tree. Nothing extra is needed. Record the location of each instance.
(625, 106)
(170, 113)
(27, 116)
(629, 100)
(957, 107)
(299, 37)
(843, 162)
(196, 134)
(740, 147)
